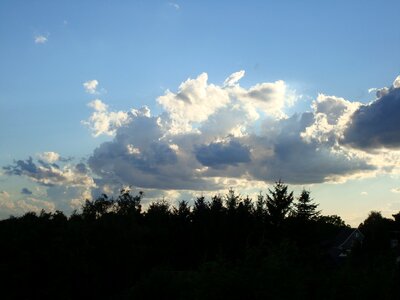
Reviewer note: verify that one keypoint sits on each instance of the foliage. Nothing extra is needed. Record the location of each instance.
(305, 209)
(225, 248)
(278, 202)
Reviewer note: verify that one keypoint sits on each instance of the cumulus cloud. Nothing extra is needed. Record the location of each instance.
(210, 136)
(331, 117)
(376, 125)
(142, 155)
(10, 206)
(208, 133)
(35, 205)
(48, 174)
(104, 122)
(268, 97)
(40, 39)
(285, 154)
(222, 154)
(194, 102)
(396, 83)
(5, 201)
(91, 86)
(50, 157)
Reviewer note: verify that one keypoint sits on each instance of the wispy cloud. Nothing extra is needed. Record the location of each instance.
(395, 190)
(174, 5)
(40, 39)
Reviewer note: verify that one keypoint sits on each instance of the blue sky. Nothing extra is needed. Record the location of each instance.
(137, 50)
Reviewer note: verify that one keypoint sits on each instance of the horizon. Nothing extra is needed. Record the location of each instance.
(181, 98)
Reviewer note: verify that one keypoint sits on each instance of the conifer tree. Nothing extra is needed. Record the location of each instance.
(278, 203)
(305, 208)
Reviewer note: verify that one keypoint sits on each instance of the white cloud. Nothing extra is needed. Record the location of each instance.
(396, 82)
(5, 201)
(271, 98)
(194, 102)
(331, 117)
(234, 78)
(208, 137)
(174, 5)
(31, 204)
(50, 157)
(40, 39)
(91, 86)
(104, 122)
(213, 133)
(132, 150)
(364, 194)
(395, 190)
(10, 206)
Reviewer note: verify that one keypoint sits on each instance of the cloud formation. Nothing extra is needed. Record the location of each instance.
(220, 154)
(40, 39)
(104, 122)
(91, 86)
(210, 136)
(50, 157)
(49, 174)
(208, 132)
(174, 5)
(376, 125)
(10, 206)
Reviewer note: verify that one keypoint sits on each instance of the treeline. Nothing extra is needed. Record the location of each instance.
(227, 247)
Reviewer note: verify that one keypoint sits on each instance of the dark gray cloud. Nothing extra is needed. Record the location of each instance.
(145, 155)
(220, 154)
(376, 125)
(20, 167)
(26, 191)
(296, 161)
(81, 168)
(140, 156)
(48, 174)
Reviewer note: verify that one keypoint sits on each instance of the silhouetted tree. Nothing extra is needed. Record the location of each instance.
(333, 220)
(158, 212)
(222, 249)
(278, 203)
(232, 200)
(305, 209)
(200, 209)
(376, 229)
(129, 204)
(182, 213)
(217, 205)
(97, 208)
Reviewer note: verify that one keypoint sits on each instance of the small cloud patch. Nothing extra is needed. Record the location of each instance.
(40, 39)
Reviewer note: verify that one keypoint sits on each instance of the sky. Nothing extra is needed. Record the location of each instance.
(186, 98)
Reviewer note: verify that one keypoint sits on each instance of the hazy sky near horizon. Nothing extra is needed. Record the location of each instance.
(180, 98)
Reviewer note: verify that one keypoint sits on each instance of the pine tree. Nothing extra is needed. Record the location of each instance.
(278, 203)
(305, 209)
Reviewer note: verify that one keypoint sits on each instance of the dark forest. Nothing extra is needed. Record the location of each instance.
(278, 246)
